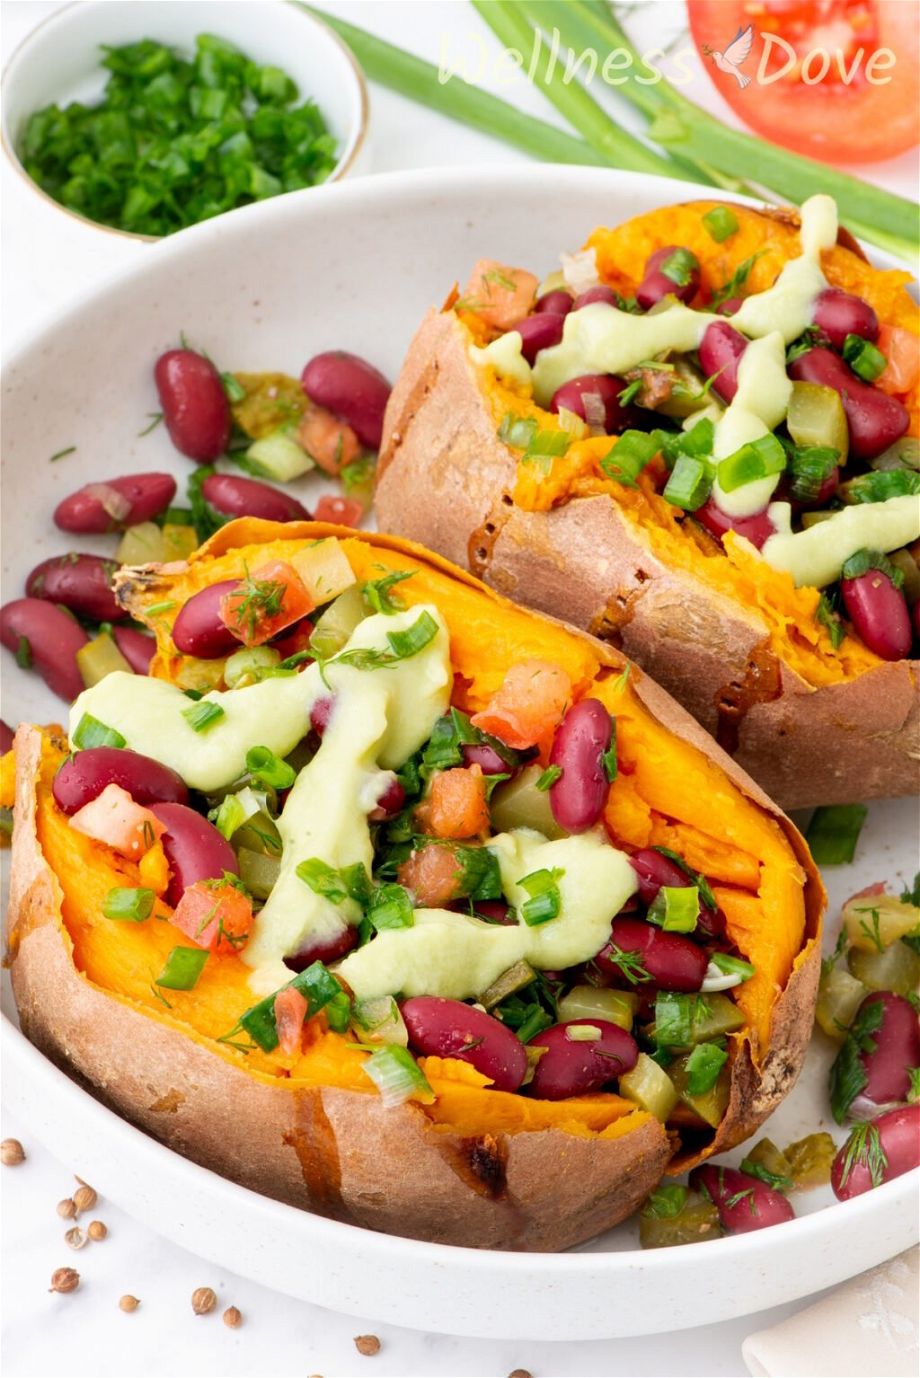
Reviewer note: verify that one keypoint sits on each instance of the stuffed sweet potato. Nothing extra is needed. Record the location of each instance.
(381, 893)
(700, 444)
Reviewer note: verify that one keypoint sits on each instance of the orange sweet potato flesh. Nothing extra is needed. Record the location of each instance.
(85, 989)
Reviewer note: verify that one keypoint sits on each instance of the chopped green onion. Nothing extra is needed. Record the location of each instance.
(758, 459)
(391, 907)
(834, 831)
(183, 967)
(62, 454)
(675, 908)
(338, 1012)
(697, 442)
(517, 431)
(379, 1020)
(263, 765)
(131, 905)
(864, 560)
(91, 732)
(826, 617)
(234, 810)
(545, 446)
(679, 267)
(322, 879)
(809, 468)
(545, 901)
(665, 1201)
(732, 966)
(480, 876)
(317, 985)
(549, 777)
(881, 485)
(721, 223)
(627, 458)
(848, 1076)
(233, 388)
(397, 1076)
(202, 715)
(864, 359)
(415, 638)
(699, 880)
(703, 1067)
(378, 595)
(626, 395)
(689, 484)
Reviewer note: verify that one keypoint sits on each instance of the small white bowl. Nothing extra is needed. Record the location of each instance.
(59, 62)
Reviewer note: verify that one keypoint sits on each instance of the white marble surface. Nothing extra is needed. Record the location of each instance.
(49, 258)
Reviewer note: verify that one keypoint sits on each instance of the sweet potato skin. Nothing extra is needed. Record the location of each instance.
(336, 1151)
(445, 480)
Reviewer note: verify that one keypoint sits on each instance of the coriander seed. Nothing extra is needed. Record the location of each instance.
(233, 1317)
(12, 1153)
(368, 1345)
(128, 1303)
(84, 1198)
(204, 1299)
(66, 1208)
(96, 1230)
(75, 1238)
(64, 1280)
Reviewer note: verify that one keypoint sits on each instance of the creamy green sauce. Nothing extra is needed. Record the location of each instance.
(456, 956)
(756, 409)
(816, 556)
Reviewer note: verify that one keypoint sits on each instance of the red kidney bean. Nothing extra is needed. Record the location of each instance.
(494, 911)
(721, 349)
(351, 388)
(672, 961)
(115, 503)
(578, 796)
(137, 648)
(655, 284)
(85, 774)
(294, 640)
(874, 419)
(48, 635)
(757, 529)
(199, 630)
(897, 1048)
(744, 1203)
(538, 332)
(595, 294)
(448, 1028)
(485, 757)
(326, 949)
(570, 1067)
(320, 714)
(915, 618)
(556, 303)
(821, 498)
(879, 613)
(195, 406)
(194, 849)
(246, 497)
(729, 307)
(389, 802)
(604, 386)
(839, 314)
(6, 738)
(877, 1152)
(83, 583)
(655, 870)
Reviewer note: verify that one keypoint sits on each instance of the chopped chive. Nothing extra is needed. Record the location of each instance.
(627, 458)
(689, 484)
(202, 715)
(759, 459)
(91, 732)
(549, 777)
(156, 608)
(183, 967)
(834, 831)
(263, 765)
(545, 900)
(397, 1076)
(675, 908)
(721, 223)
(864, 359)
(62, 454)
(131, 905)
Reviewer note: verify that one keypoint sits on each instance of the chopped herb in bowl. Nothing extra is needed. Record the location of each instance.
(174, 141)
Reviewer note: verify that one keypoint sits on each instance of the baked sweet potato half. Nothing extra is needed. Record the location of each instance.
(701, 445)
(392, 928)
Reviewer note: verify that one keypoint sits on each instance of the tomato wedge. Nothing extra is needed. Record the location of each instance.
(331, 443)
(215, 915)
(528, 707)
(267, 601)
(820, 81)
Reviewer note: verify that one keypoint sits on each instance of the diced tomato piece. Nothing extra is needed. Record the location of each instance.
(296, 639)
(528, 707)
(327, 440)
(215, 915)
(901, 348)
(499, 295)
(114, 818)
(290, 1012)
(342, 511)
(433, 876)
(455, 806)
(268, 600)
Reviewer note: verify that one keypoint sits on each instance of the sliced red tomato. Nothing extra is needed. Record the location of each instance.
(455, 807)
(821, 82)
(342, 511)
(528, 707)
(215, 915)
(267, 601)
(433, 874)
(902, 350)
(114, 818)
(290, 1010)
(327, 440)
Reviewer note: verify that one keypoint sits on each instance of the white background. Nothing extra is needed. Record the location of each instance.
(48, 258)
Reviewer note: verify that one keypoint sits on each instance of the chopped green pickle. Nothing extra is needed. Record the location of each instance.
(597, 1002)
(873, 922)
(258, 872)
(695, 1220)
(904, 561)
(98, 658)
(839, 997)
(338, 622)
(520, 804)
(895, 968)
(650, 1087)
(816, 417)
(141, 545)
(810, 1160)
(712, 1104)
(510, 981)
(777, 1170)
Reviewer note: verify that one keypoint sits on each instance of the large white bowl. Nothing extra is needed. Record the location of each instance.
(355, 266)
(59, 62)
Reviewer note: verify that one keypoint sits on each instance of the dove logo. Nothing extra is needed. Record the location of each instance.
(734, 56)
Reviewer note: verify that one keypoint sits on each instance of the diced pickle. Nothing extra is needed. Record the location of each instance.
(686, 394)
(816, 417)
(259, 834)
(697, 1219)
(337, 623)
(519, 804)
(896, 968)
(192, 673)
(810, 1160)
(272, 400)
(839, 997)
(876, 921)
(514, 979)
(178, 541)
(378, 1020)
(141, 545)
(245, 665)
(99, 658)
(815, 518)
(905, 562)
(258, 871)
(650, 1087)
(597, 1002)
(765, 1154)
(712, 1105)
(903, 454)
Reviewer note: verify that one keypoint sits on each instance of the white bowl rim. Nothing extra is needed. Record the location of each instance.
(352, 150)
